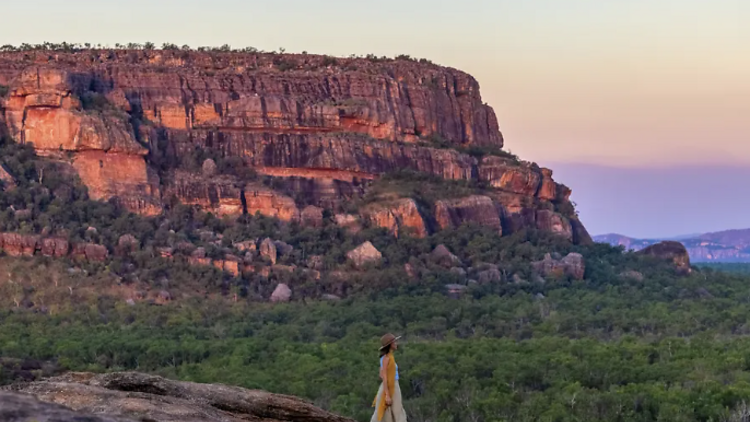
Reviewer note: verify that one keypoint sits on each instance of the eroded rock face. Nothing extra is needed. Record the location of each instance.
(130, 396)
(670, 251)
(553, 222)
(43, 110)
(269, 203)
(15, 244)
(55, 247)
(219, 195)
(322, 131)
(399, 216)
(451, 213)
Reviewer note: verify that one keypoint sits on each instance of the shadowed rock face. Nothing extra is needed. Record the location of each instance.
(129, 121)
(671, 251)
(130, 396)
(26, 408)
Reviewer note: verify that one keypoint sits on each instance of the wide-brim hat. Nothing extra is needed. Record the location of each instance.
(387, 340)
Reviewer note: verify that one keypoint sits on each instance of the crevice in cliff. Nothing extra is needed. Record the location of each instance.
(243, 201)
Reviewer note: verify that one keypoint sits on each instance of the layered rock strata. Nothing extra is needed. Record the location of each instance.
(323, 129)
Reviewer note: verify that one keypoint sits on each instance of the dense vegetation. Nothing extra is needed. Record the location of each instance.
(611, 347)
(226, 48)
(604, 349)
(733, 267)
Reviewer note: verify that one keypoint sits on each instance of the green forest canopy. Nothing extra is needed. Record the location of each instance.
(610, 347)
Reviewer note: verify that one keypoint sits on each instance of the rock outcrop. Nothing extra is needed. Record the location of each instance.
(451, 213)
(137, 126)
(399, 216)
(16, 407)
(7, 181)
(672, 251)
(441, 255)
(282, 293)
(572, 266)
(131, 396)
(17, 245)
(268, 250)
(364, 254)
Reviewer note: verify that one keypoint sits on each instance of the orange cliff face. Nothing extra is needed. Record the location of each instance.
(43, 111)
(321, 130)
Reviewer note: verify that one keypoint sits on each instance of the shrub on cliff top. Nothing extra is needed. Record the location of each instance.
(4, 90)
(477, 151)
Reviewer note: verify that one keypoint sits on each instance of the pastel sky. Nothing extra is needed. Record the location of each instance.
(619, 83)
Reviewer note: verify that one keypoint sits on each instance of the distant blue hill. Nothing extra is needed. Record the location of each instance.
(724, 246)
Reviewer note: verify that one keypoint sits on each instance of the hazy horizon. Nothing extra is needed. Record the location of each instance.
(647, 203)
(632, 85)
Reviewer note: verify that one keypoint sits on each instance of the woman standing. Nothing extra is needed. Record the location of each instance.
(388, 406)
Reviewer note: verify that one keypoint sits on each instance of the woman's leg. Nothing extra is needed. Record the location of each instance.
(397, 409)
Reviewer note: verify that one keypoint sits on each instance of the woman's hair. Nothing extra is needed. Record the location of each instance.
(384, 351)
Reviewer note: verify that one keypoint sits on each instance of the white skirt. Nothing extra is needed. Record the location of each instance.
(393, 413)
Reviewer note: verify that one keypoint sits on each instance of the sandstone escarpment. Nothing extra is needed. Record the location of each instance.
(43, 110)
(136, 126)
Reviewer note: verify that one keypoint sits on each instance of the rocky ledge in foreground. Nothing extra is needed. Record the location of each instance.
(132, 396)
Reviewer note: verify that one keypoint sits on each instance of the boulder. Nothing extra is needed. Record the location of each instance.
(90, 252)
(16, 245)
(282, 293)
(670, 251)
(572, 266)
(363, 254)
(268, 250)
(209, 167)
(315, 262)
(443, 257)
(246, 246)
(283, 248)
(312, 216)
(199, 257)
(7, 181)
(151, 398)
(492, 275)
(231, 264)
(127, 244)
(55, 247)
(348, 222)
